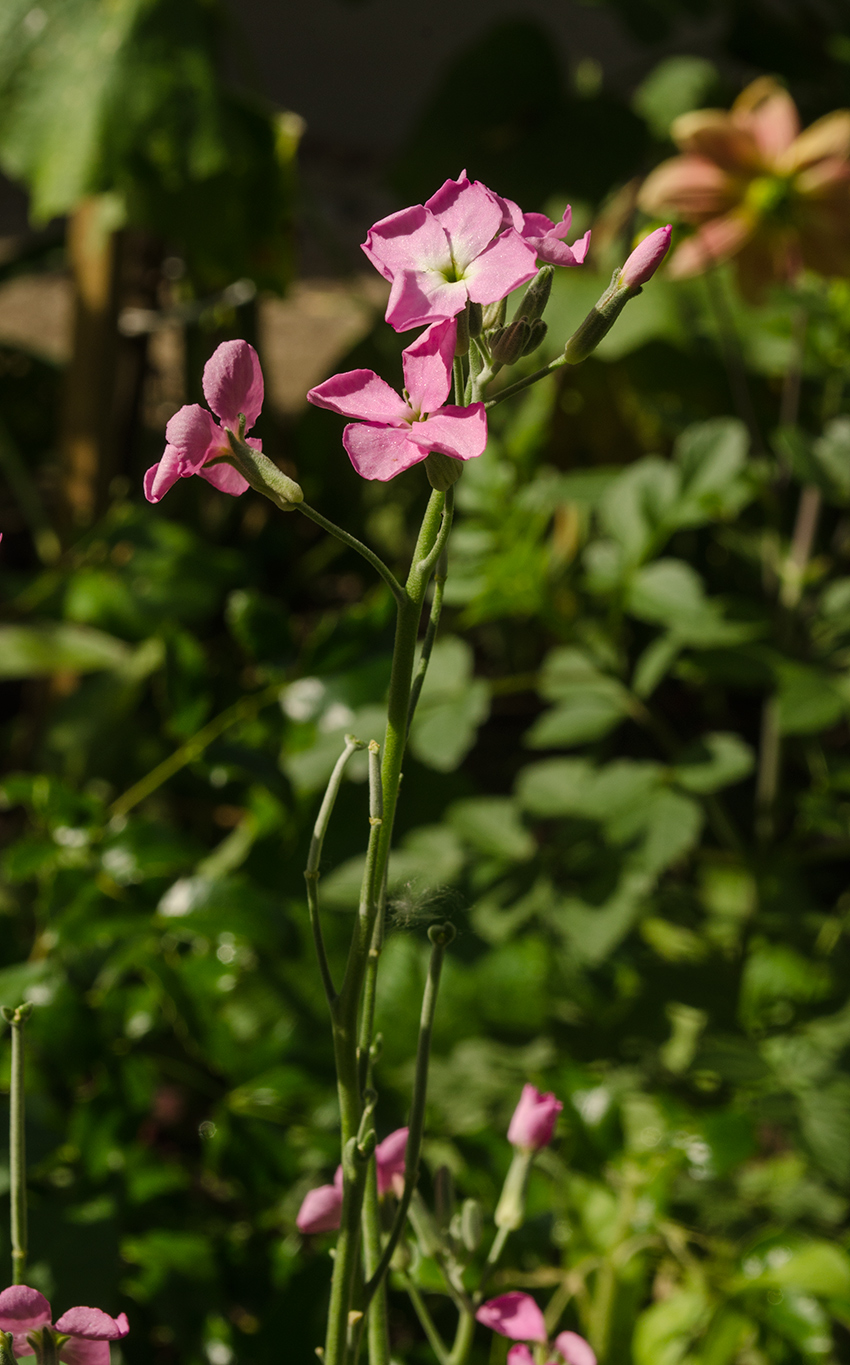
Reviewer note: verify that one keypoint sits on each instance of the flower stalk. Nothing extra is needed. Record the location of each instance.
(16, 1019)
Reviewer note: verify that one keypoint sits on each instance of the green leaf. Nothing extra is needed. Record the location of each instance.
(637, 503)
(670, 593)
(673, 825)
(775, 973)
(724, 759)
(578, 721)
(673, 87)
(710, 455)
(451, 707)
(821, 1268)
(809, 701)
(56, 646)
(492, 825)
(664, 1332)
(654, 663)
(832, 453)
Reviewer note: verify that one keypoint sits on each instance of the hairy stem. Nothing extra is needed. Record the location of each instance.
(17, 1143)
(354, 544)
(314, 857)
(435, 1341)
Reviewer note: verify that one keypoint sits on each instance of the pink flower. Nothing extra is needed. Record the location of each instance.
(233, 387)
(395, 433)
(321, 1208)
(646, 258)
(389, 1156)
(517, 1316)
(533, 1121)
(438, 255)
(545, 236)
(23, 1312)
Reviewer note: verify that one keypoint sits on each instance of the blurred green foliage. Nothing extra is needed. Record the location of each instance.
(579, 797)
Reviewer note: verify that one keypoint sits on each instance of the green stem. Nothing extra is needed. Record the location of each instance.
(463, 1339)
(441, 936)
(459, 380)
(435, 1341)
(354, 544)
(354, 1168)
(314, 858)
(521, 384)
(17, 1143)
(378, 1324)
(430, 635)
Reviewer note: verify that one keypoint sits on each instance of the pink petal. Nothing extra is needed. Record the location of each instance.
(380, 452)
(533, 1121)
(514, 1315)
(574, 1349)
(162, 476)
(428, 366)
(691, 186)
(194, 434)
(512, 214)
(320, 1210)
(647, 256)
(225, 478)
(409, 240)
(520, 1355)
(538, 225)
(233, 383)
(93, 1324)
(361, 393)
(461, 432)
(79, 1351)
(715, 241)
(23, 1309)
(768, 112)
(418, 298)
(551, 251)
(389, 1156)
(470, 216)
(506, 263)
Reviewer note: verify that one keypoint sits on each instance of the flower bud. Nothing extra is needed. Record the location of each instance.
(471, 1224)
(536, 296)
(536, 336)
(7, 1355)
(462, 334)
(646, 258)
(442, 470)
(533, 1121)
(320, 1209)
(507, 345)
(494, 315)
(475, 318)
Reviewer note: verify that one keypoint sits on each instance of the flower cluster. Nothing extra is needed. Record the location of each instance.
(80, 1337)
(757, 189)
(518, 1317)
(321, 1208)
(464, 245)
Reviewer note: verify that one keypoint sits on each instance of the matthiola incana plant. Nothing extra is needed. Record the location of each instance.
(451, 264)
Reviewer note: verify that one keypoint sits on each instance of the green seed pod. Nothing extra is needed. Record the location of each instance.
(475, 318)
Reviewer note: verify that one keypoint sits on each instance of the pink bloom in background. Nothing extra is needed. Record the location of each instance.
(395, 433)
(546, 237)
(533, 1121)
(233, 385)
(439, 254)
(518, 1317)
(321, 1208)
(646, 258)
(24, 1310)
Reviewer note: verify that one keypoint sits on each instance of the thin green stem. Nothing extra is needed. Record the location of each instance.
(435, 1341)
(463, 1339)
(314, 858)
(440, 936)
(17, 1143)
(530, 379)
(425, 566)
(244, 709)
(430, 634)
(378, 1325)
(354, 544)
(459, 380)
(354, 1169)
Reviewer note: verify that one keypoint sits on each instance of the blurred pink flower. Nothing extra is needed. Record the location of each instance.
(233, 386)
(395, 433)
(517, 1316)
(439, 254)
(545, 236)
(533, 1121)
(320, 1209)
(757, 189)
(23, 1311)
(646, 258)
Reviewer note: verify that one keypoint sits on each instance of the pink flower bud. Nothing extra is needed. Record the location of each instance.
(534, 1118)
(646, 258)
(321, 1209)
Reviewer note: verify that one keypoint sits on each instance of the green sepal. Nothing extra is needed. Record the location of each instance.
(533, 302)
(442, 470)
(508, 344)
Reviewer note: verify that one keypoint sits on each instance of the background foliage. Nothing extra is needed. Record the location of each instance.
(580, 794)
